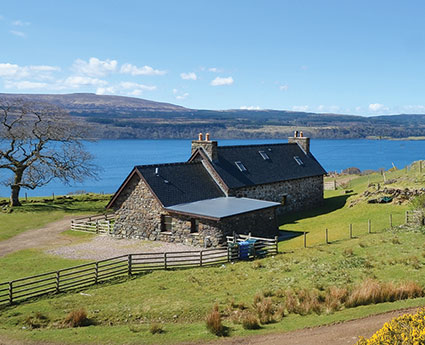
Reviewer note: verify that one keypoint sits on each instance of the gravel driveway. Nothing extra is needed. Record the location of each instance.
(104, 247)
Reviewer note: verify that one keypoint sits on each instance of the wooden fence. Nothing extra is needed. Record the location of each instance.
(102, 223)
(261, 246)
(415, 217)
(124, 265)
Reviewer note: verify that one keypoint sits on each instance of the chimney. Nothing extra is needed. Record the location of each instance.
(301, 140)
(209, 146)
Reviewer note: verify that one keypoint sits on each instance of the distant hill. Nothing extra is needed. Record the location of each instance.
(119, 117)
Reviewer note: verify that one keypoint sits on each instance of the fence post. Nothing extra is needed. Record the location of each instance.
(228, 253)
(326, 237)
(391, 220)
(249, 235)
(200, 258)
(351, 231)
(96, 271)
(57, 281)
(165, 261)
(11, 292)
(129, 264)
(97, 226)
(305, 239)
(276, 242)
(369, 226)
(407, 217)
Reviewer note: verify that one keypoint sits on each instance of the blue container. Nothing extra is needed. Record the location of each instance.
(245, 249)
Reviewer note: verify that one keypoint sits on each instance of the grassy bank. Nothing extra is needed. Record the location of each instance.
(37, 212)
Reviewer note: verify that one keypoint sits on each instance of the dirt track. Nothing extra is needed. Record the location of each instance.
(47, 235)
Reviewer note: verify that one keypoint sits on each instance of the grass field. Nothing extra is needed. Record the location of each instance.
(37, 212)
(179, 300)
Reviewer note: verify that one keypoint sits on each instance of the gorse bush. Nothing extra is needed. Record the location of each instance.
(406, 329)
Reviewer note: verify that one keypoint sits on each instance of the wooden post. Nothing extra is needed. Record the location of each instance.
(407, 217)
(200, 258)
(26, 196)
(97, 226)
(129, 264)
(96, 272)
(351, 231)
(326, 237)
(369, 226)
(165, 261)
(57, 281)
(11, 292)
(53, 196)
(305, 239)
(391, 220)
(276, 242)
(249, 235)
(228, 253)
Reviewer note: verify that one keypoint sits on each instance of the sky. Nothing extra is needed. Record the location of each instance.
(349, 57)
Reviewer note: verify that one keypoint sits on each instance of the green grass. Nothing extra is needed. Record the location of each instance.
(182, 298)
(37, 212)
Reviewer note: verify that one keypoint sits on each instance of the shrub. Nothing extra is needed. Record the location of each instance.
(214, 324)
(156, 328)
(264, 309)
(249, 321)
(77, 318)
(38, 320)
(406, 329)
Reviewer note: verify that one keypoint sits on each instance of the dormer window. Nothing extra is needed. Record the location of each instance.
(298, 160)
(240, 166)
(264, 155)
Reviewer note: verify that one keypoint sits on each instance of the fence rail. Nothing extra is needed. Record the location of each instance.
(101, 223)
(124, 265)
(415, 217)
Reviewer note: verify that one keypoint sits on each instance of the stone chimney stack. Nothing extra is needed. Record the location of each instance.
(209, 146)
(301, 140)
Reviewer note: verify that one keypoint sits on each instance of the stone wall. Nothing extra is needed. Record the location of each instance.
(300, 194)
(138, 215)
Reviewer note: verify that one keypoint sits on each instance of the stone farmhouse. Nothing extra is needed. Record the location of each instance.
(218, 191)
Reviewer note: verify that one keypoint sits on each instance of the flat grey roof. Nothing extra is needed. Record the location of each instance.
(222, 207)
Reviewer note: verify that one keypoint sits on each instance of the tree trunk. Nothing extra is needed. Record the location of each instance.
(14, 197)
(16, 187)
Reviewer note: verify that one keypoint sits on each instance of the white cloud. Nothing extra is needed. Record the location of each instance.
(188, 76)
(328, 108)
(300, 108)
(283, 87)
(78, 81)
(94, 67)
(105, 90)
(14, 71)
(145, 70)
(214, 70)
(376, 107)
(25, 84)
(183, 96)
(20, 23)
(18, 33)
(140, 87)
(219, 81)
(250, 107)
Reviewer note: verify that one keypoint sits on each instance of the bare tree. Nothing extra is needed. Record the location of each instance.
(40, 142)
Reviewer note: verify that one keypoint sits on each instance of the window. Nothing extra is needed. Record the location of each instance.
(298, 160)
(264, 155)
(240, 166)
(194, 226)
(166, 223)
(283, 200)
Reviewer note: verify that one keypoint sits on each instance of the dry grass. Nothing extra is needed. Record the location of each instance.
(249, 321)
(77, 318)
(214, 323)
(156, 328)
(264, 308)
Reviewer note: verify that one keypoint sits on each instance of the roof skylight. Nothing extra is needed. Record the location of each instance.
(298, 160)
(264, 155)
(240, 166)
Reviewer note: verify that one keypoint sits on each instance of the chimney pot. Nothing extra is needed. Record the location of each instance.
(295, 134)
(301, 134)
(200, 137)
(207, 136)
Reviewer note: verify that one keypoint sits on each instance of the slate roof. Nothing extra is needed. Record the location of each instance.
(280, 167)
(179, 183)
(223, 207)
